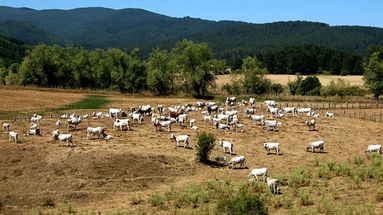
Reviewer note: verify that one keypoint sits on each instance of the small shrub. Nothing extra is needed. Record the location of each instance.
(243, 203)
(358, 181)
(300, 177)
(358, 160)
(156, 200)
(324, 172)
(48, 202)
(324, 206)
(253, 186)
(204, 146)
(193, 195)
(287, 202)
(305, 197)
(135, 199)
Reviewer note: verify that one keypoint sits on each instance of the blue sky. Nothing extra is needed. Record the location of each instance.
(333, 12)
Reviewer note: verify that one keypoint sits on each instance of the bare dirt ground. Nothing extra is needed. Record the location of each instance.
(103, 176)
(29, 99)
(284, 79)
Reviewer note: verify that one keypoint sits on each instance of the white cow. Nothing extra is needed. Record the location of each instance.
(255, 173)
(237, 160)
(311, 124)
(272, 146)
(316, 145)
(121, 123)
(95, 131)
(374, 148)
(6, 126)
(256, 118)
(180, 138)
(273, 184)
(226, 145)
(289, 110)
(303, 110)
(328, 114)
(270, 103)
(34, 132)
(13, 136)
(114, 112)
(62, 138)
(159, 124)
(36, 118)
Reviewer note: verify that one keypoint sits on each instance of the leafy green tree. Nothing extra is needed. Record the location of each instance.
(373, 74)
(255, 81)
(3, 72)
(310, 86)
(193, 62)
(161, 69)
(294, 85)
(204, 146)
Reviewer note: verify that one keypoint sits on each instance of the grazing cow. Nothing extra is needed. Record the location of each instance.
(95, 131)
(136, 117)
(115, 112)
(97, 115)
(58, 123)
(180, 138)
(200, 105)
(374, 148)
(289, 110)
(62, 138)
(256, 118)
(222, 126)
(271, 124)
(273, 184)
(13, 136)
(226, 145)
(73, 122)
(270, 103)
(249, 111)
(6, 126)
(176, 114)
(221, 159)
(255, 173)
(231, 101)
(303, 110)
(121, 123)
(272, 146)
(33, 125)
(316, 145)
(213, 108)
(328, 114)
(145, 110)
(237, 160)
(252, 102)
(36, 118)
(34, 132)
(160, 124)
(207, 119)
(311, 124)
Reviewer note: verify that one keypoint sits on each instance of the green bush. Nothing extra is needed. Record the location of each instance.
(305, 197)
(204, 146)
(342, 87)
(300, 177)
(243, 203)
(156, 200)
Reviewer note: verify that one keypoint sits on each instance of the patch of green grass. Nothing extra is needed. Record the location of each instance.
(90, 102)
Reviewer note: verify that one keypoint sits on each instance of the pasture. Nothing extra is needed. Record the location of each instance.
(284, 79)
(122, 174)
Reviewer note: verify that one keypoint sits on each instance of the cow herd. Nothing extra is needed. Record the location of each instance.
(221, 117)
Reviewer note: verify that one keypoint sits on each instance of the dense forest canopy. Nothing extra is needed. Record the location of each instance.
(128, 29)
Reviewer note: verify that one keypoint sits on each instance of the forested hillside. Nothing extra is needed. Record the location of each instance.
(136, 28)
(12, 50)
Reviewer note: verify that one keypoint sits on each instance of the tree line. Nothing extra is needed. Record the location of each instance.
(188, 67)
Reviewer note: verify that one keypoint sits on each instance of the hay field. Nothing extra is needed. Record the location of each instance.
(102, 176)
(284, 79)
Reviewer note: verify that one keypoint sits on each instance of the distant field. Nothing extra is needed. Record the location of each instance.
(284, 79)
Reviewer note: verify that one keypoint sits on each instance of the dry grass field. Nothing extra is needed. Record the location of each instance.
(284, 79)
(103, 176)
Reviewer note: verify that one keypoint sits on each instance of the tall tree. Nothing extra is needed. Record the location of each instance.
(373, 74)
(161, 69)
(192, 60)
(255, 81)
